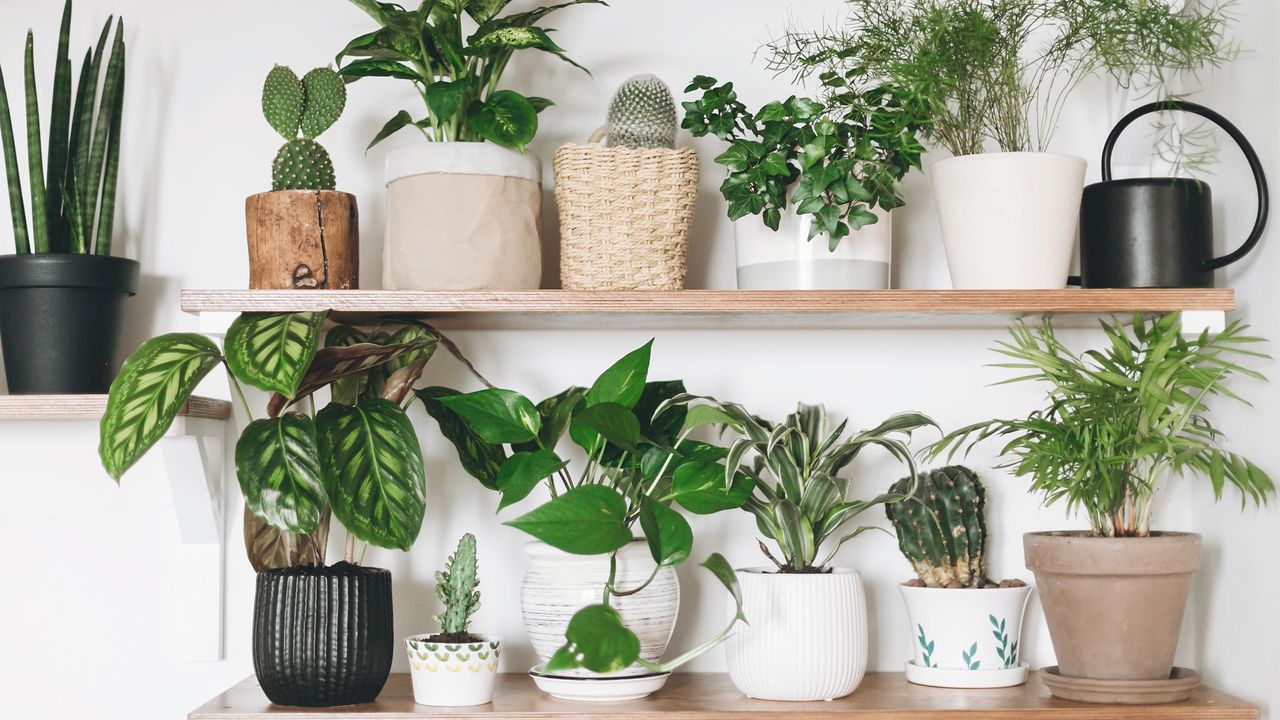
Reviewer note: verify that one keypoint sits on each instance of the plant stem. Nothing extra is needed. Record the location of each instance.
(613, 575)
(350, 555)
(244, 404)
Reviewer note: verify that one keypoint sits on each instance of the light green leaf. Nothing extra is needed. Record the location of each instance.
(497, 415)
(587, 520)
(517, 38)
(700, 415)
(278, 467)
(272, 351)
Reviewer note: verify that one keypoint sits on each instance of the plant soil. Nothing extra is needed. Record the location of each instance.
(986, 584)
(454, 638)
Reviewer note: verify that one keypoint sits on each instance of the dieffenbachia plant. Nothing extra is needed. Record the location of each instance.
(73, 200)
(358, 457)
(640, 461)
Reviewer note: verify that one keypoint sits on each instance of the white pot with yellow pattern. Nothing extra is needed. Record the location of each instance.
(453, 675)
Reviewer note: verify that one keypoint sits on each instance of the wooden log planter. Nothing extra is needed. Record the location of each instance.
(303, 239)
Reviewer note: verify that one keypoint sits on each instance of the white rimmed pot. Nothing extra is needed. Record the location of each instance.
(807, 637)
(1008, 219)
(788, 260)
(453, 675)
(558, 584)
(966, 638)
(462, 216)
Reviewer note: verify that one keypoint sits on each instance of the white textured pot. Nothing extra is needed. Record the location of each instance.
(1009, 219)
(453, 675)
(966, 638)
(558, 584)
(807, 637)
(462, 216)
(788, 260)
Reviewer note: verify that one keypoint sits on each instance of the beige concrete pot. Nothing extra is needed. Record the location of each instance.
(1114, 605)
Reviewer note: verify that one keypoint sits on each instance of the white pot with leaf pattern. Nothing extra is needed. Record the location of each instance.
(966, 638)
(453, 675)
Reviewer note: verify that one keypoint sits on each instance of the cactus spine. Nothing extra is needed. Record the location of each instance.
(301, 109)
(456, 588)
(642, 114)
(941, 528)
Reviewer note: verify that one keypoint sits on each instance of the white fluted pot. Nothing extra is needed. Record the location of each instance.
(807, 638)
(558, 584)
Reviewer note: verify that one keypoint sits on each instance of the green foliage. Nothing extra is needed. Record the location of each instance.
(278, 466)
(456, 74)
(272, 351)
(642, 114)
(73, 199)
(301, 109)
(1118, 420)
(456, 587)
(941, 526)
(302, 164)
(834, 161)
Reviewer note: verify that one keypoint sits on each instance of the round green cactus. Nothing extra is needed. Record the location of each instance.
(941, 527)
(642, 114)
(282, 101)
(308, 107)
(302, 164)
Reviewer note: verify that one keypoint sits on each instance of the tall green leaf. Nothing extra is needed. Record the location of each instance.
(373, 471)
(17, 208)
(86, 189)
(106, 212)
(153, 385)
(101, 133)
(59, 123)
(623, 382)
(35, 158)
(278, 466)
(587, 520)
(272, 351)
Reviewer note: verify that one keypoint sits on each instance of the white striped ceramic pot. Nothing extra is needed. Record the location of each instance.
(558, 584)
(807, 638)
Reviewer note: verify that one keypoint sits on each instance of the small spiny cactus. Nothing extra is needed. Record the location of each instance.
(941, 529)
(301, 109)
(456, 588)
(642, 114)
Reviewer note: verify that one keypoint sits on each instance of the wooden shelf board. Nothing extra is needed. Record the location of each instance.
(707, 696)
(537, 309)
(91, 407)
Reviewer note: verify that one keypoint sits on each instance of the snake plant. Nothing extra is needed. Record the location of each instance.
(73, 199)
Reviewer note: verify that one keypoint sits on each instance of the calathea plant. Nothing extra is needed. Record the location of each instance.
(358, 457)
(835, 161)
(456, 74)
(639, 462)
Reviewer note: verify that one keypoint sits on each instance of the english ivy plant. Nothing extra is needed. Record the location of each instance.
(456, 74)
(640, 461)
(834, 161)
(357, 458)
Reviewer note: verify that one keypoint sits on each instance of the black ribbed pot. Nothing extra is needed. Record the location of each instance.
(322, 636)
(60, 320)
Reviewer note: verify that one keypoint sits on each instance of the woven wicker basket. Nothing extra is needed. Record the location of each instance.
(625, 216)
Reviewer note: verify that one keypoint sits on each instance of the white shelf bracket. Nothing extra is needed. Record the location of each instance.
(1195, 322)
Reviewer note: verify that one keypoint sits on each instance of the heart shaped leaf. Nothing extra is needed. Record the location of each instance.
(278, 466)
(611, 421)
(587, 520)
(669, 536)
(597, 640)
(699, 488)
(497, 415)
(623, 383)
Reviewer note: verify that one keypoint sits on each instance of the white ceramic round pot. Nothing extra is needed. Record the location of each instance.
(807, 638)
(462, 216)
(1009, 219)
(453, 675)
(966, 638)
(788, 260)
(558, 584)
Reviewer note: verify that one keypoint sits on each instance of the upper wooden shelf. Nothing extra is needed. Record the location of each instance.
(707, 696)
(91, 407)
(538, 309)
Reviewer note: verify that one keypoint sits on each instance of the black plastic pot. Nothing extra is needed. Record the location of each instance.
(322, 636)
(60, 320)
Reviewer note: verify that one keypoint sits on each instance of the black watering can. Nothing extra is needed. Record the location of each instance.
(1157, 232)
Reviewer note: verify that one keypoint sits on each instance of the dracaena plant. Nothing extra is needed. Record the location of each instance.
(1117, 421)
(73, 199)
(640, 461)
(799, 499)
(357, 458)
(455, 66)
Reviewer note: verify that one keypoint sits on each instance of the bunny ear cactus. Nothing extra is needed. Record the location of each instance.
(301, 109)
(456, 588)
(941, 527)
(643, 114)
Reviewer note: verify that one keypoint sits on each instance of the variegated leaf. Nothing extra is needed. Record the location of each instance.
(335, 363)
(278, 466)
(272, 351)
(270, 548)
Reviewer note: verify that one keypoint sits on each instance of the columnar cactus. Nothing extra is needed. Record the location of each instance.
(941, 528)
(301, 109)
(456, 588)
(642, 114)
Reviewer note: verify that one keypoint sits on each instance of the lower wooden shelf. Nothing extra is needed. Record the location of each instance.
(710, 696)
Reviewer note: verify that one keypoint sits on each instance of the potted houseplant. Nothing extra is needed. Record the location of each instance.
(322, 635)
(303, 234)
(1117, 422)
(823, 176)
(807, 637)
(464, 207)
(62, 295)
(965, 629)
(455, 667)
(999, 73)
(639, 462)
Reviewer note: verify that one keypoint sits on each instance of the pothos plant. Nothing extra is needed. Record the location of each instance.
(357, 458)
(835, 161)
(640, 461)
(456, 74)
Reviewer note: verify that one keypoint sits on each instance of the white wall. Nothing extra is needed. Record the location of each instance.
(89, 604)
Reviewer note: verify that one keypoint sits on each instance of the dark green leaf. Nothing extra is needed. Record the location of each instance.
(587, 520)
(669, 536)
(272, 351)
(522, 472)
(482, 460)
(402, 119)
(278, 467)
(623, 383)
(497, 415)
(444, 98)
(379, 68)
(597, 640)
(506, 118)
(611, 421)
(725, 574)
(699, 488)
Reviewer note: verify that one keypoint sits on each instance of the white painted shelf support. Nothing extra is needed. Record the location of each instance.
(1195, 322)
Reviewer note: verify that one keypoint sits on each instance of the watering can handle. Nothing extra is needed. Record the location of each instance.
(1259, 178)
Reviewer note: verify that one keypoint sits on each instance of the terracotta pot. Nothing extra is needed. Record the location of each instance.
(1114, 605)
(303, 240)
